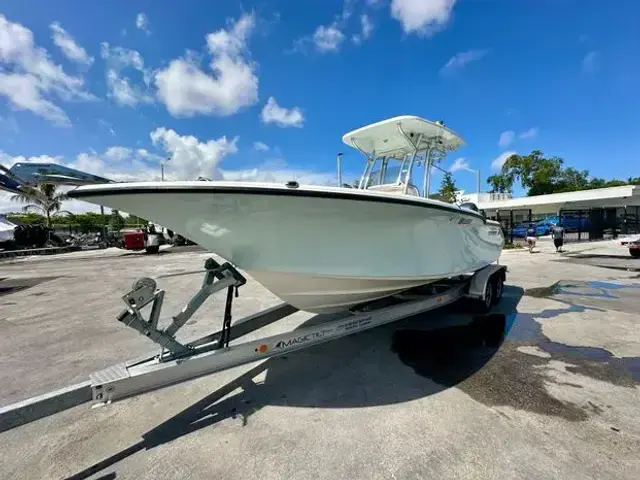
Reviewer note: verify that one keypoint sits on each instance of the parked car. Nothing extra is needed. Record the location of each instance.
(520, 230)
(633, 244)
(569, 222)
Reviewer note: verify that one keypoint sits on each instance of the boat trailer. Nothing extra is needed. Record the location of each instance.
(178, 362)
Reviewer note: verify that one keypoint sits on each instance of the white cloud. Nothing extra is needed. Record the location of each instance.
(591, 62)
(279, 173)
(460, 164)
(260, 146)
(366, 29)
(531, 133)
(120, 87)
(189, 157)
(422, 17)
(119, 57)
(506, 138)
(282, 117)
(459, 60)
(7, 160)
(142, 23)
(509, 136)
(366, 25)
(28, 77)
(65, 42)
(123, 92)
(24, 93)
(347, 9)
(497, 162)
(117, 153)
(186, 90)
(328, 38)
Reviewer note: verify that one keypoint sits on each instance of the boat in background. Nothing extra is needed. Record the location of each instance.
(322, 248)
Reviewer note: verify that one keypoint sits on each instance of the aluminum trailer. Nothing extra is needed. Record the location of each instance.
(178, 362)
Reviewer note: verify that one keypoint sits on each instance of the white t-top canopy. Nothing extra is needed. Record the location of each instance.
(385, 138)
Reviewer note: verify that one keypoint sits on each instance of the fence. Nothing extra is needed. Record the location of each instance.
(579, 224)
(81, 228)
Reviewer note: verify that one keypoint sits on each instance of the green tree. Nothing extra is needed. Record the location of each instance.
(536, 173)
(541, 175)
(44, 198)
(116, 222)
(134, 220)
(448, 188)
(571, 180)
(29, 217)
(602, 183)
(500, 184)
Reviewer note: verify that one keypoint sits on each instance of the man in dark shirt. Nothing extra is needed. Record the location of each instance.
(557, 232)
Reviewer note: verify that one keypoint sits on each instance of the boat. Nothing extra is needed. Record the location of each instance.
(327, 249)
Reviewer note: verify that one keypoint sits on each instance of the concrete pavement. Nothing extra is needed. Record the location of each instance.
(558, 399)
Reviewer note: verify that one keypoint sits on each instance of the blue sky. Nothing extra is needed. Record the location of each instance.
(265, 90)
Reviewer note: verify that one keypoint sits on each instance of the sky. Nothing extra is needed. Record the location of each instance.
(264, 90)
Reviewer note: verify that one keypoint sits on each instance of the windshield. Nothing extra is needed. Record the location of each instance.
(392, 170)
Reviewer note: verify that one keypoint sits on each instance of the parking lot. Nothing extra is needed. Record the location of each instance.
(421, 398)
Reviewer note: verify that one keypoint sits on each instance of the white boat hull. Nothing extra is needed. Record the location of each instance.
(320, 249)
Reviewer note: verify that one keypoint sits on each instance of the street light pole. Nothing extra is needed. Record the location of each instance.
(162, 167)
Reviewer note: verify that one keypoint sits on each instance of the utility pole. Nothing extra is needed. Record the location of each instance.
(162, 167)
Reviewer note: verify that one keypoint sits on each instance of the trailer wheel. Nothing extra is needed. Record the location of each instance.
(498, 288)
(153, 249)
(483, 305)
(634, 252)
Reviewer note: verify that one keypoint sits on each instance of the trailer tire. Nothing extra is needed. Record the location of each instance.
(483, 305)
(498, 288)
(153, 249)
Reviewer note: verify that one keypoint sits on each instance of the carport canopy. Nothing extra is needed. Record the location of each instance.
(612, 197)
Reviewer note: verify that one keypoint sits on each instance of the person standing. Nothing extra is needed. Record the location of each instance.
(557, 232)
(531, 237)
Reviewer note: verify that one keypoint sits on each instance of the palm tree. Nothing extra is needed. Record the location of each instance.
(44, 198)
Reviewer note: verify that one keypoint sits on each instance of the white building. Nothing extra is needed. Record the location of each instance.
(608, 204)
